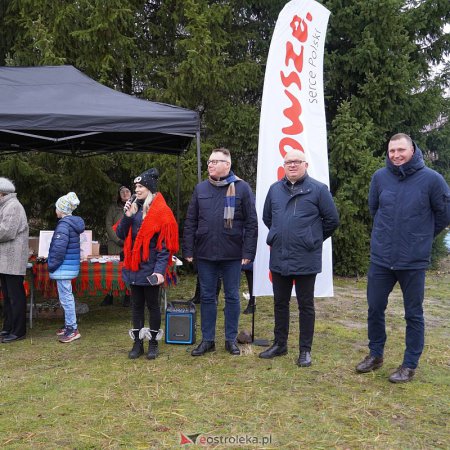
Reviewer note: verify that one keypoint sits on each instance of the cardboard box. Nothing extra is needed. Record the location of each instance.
(95, 248)
(33, 244)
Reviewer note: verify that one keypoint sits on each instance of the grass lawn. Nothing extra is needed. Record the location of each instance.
(88, 395)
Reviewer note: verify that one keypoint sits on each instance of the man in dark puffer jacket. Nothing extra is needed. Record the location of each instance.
(410, 204)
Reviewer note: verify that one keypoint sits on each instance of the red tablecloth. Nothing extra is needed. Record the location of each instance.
(94, 279)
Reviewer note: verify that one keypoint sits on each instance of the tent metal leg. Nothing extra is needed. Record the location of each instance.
(199, 161)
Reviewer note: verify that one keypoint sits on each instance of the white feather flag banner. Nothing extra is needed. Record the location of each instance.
(293, 117)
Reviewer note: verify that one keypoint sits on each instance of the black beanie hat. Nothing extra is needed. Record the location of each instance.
(149, 179)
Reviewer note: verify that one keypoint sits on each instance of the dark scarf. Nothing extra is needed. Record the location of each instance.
(230, 197)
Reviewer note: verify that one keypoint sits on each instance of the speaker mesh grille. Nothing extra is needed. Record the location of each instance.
(180, 328)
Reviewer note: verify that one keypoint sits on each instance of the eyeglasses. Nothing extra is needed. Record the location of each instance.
(214, 162)
(293, 163)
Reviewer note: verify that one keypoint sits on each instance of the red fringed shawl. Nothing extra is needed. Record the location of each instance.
(159, 220)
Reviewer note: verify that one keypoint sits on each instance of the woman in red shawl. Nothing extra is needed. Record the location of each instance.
(150, 234)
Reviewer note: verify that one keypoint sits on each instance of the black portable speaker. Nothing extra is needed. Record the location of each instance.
(180, 323)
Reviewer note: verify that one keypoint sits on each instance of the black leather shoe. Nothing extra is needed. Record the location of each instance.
(205, 346)
(304, 360)
(369, 363)
(275, 350)
(4, 333)
(12, 338)
(232, 348)
(402, 375)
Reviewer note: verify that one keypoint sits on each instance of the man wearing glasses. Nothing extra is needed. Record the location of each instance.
(221, 230)
(300, 214)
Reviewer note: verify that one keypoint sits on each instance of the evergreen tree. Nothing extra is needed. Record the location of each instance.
(378, 82)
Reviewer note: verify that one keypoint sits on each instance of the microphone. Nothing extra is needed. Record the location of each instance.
(130, 202)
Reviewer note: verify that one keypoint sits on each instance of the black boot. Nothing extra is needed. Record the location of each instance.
(152, 349)
(108, 300)
(138, 346)
(251, 307)
(196, 298)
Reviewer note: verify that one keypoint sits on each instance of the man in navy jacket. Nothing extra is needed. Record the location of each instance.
(300, 214)
(220, 230)
(410, 205)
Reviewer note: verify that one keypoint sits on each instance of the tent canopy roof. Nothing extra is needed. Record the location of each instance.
(58, 109)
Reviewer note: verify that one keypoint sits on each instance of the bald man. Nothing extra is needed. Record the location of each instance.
(300, 214)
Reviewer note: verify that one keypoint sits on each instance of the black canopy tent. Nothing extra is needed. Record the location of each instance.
(58, 109)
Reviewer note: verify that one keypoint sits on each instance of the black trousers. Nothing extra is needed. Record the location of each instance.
(304, 289)
(146, 296)
(14, 304)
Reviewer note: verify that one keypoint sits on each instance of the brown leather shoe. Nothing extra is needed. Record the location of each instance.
(369, 363)
(402, 375)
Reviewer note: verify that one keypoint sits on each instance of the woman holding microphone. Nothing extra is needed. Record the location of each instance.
(150, 234)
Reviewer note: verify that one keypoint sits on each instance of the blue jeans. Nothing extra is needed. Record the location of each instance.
(380, 283)
(208, 273)
(67, 302)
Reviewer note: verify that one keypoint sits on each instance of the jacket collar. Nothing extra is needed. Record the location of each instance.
(230, 173)
(7, 197)
(412, 166)
(297, 183)
(301, 186)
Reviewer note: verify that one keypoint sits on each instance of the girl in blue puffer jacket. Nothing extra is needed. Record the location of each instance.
(64, 261)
